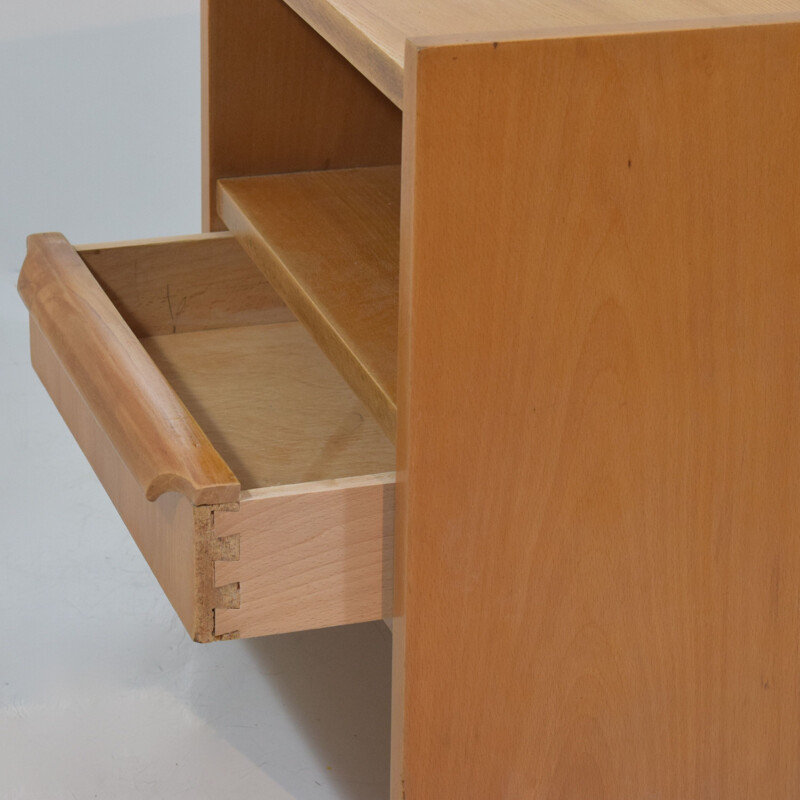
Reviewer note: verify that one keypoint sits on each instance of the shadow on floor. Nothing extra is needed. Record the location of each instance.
(332, 689)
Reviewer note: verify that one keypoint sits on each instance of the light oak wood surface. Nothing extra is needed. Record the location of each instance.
(272, 405)
(372, 34)
(328, 242)
(311, 556)
(278, 98)
(598, 570)
(148, 425)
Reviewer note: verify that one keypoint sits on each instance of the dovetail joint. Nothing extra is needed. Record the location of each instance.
(224, 549)
(227, 596)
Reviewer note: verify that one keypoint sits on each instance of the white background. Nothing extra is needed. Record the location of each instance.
(38, 18)
(101, 692)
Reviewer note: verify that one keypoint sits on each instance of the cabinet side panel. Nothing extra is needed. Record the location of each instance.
(598, 565)
(278, 98)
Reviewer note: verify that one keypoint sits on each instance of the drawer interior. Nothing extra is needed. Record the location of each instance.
(307, 539)
(262, 391)
(272, 405)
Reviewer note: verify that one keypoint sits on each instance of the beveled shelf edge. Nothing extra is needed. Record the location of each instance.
(269, 213)
(371, 39)
(381, 65)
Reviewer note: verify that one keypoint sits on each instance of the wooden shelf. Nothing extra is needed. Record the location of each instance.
(372, 36)
(328, 242)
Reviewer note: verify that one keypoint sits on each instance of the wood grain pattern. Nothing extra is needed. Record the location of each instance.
(328, 242)
(183, 284)
(278, 98)
(598, 572)
(372, 34)
(157, 438)
(311, 556)
(174, 537)
(272, 404)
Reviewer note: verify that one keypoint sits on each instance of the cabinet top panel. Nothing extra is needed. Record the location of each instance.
(372, 34)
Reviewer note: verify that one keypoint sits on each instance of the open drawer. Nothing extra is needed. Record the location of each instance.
(255, 483)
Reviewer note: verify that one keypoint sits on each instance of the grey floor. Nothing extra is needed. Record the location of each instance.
(101, 692)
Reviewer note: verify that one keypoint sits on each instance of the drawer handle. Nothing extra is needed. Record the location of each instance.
(151, 429)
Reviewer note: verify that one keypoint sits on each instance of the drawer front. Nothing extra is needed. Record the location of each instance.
(263, 556)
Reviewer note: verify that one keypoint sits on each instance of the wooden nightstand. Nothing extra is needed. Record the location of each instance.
(551, 252)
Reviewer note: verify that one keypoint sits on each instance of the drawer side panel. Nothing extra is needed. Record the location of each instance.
(311, 556)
